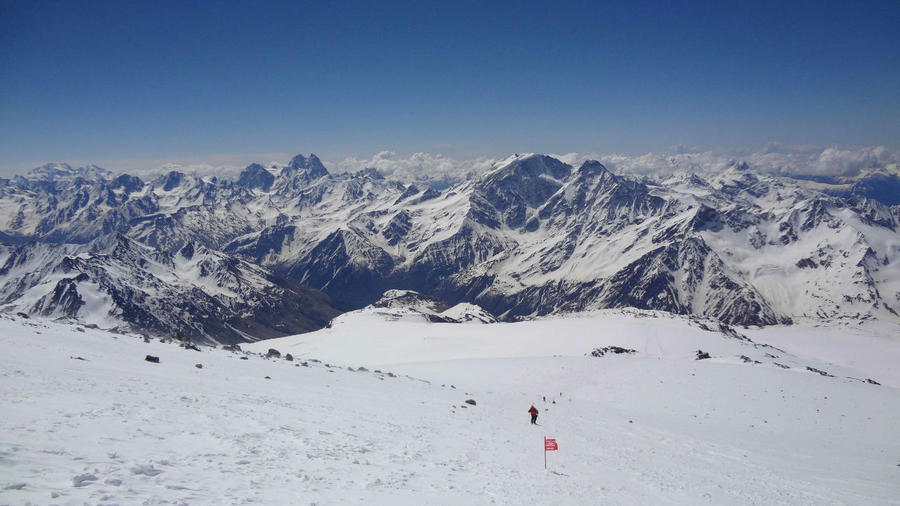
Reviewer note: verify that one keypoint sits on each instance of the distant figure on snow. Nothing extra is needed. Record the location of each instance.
(534, 413)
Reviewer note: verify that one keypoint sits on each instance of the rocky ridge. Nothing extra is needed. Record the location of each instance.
(532, 236)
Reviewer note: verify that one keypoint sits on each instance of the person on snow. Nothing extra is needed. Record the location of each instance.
(534, 413)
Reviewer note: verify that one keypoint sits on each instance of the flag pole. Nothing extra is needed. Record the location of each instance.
(545, 452)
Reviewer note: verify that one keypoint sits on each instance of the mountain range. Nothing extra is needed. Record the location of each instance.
(283, 249)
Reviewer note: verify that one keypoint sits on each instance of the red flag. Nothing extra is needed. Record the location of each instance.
(550, 445)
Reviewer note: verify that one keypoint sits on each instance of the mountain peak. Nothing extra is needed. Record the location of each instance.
(171, 180)
(592, 167)
(399, 304)
(531, 165)
(49, 169)
(739, 166)
(64, 171)
(127, 182)
(256, 176)
(311, 167)
(370, 172)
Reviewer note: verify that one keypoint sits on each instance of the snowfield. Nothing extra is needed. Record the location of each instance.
(85, 419)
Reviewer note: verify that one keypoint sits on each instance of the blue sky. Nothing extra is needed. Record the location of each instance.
(95, 81)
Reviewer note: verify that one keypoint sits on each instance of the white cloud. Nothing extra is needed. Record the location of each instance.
(774, 158)
(777, 159)
(221, 165)
(834, 161)
(416, 167)
(850, 162)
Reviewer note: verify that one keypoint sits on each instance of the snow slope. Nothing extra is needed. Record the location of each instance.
(653, 427)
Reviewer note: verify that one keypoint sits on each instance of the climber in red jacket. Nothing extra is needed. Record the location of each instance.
(534, 413)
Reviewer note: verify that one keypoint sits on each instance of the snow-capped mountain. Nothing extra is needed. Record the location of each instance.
(532, 236)
(410, 305)
(882, 184)
(115, 280)
(64, 172)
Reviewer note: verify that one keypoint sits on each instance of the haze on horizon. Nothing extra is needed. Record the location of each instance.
(134, 84)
